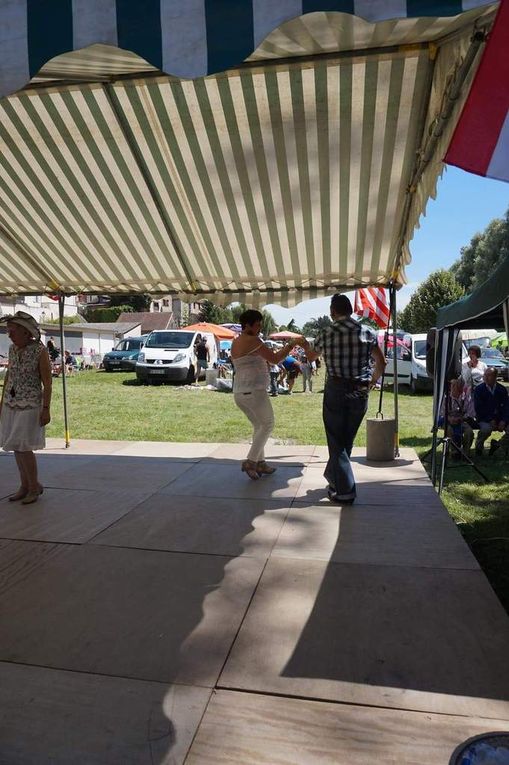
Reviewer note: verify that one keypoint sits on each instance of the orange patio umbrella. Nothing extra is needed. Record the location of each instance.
(222, 333)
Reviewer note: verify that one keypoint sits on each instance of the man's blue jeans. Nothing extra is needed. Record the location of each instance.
(344, 407)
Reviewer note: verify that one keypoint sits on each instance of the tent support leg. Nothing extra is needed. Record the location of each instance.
(392, 303)
(61, 305)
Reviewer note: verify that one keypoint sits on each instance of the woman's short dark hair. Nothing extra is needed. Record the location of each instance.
(341, 305)
(476, 349)
(249, 317)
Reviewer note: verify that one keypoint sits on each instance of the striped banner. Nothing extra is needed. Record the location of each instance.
(281, 180)
(481, 141)
(186, 38)
(372, 304)
(229, 185)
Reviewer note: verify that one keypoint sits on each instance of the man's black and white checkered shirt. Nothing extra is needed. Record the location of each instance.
(346, 347)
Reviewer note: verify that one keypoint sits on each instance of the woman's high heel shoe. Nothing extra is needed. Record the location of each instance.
(32, 496)
(249, 467)
(263, 469)
(20, 494)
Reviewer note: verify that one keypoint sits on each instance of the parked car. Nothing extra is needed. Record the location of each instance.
(169, 355)
(492, 357)
(125, 355)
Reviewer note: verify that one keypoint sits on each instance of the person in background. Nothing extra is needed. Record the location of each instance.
(202, 357)
(347, 348)
(274, 371)
(52, 349)
(473, 369)
(307, 374)
(291, 367)
(460, 414)
(250, 358)
(70, 363)
(25, 405)
(491, 402)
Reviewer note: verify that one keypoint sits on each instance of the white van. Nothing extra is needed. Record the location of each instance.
(168, 355)
(411, 355)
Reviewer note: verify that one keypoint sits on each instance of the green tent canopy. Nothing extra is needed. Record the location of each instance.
(486, 306)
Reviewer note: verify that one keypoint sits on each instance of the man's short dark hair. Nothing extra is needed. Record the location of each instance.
(476, 349)
(341, 305)
(249, 317)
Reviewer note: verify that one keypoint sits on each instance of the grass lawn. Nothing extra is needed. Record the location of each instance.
(114, 406)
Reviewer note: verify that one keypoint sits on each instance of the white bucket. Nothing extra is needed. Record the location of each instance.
(211, 376)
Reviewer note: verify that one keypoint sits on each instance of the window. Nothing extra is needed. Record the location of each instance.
(170, 340)
(420, 349)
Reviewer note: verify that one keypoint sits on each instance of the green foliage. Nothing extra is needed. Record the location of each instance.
(137, 303)
(311, 328)
(439, 289)
(486, 251)
(67, 320)
(370, 323)
(215, 314)
(109, 313)
(268, 323)
(290, 327)
(231, 315)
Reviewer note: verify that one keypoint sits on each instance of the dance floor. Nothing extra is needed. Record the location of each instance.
(159, 607)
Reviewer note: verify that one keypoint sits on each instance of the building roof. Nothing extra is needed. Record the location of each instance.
(149, 320)
(117, 327)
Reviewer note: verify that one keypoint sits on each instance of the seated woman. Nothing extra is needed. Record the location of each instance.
(460, 415)
(250, 358)
(473, 370)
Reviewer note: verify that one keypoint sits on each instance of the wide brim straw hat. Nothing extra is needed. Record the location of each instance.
(25, 320)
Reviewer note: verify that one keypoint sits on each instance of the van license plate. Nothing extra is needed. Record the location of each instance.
(157, 371)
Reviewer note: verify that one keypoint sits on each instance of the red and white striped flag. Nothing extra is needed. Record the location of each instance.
(372, 304)
(480, 143)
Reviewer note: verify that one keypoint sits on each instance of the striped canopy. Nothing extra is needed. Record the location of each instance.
(301, 170)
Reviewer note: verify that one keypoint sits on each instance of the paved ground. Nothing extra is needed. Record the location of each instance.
(158, 607)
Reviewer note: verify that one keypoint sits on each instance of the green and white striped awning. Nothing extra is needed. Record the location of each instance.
(300, 172)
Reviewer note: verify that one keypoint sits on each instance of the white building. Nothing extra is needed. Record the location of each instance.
(41, 307)
(182, 313)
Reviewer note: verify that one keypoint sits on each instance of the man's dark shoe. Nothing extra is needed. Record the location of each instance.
(479, 451)
(333, 497)
(493, 447)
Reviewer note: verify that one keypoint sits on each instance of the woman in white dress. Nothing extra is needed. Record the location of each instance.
(26, 398)
(250, 357)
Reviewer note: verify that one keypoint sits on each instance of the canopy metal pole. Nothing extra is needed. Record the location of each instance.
(392, 302)
(61, 305)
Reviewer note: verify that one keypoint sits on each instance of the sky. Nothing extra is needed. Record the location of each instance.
(464, 205)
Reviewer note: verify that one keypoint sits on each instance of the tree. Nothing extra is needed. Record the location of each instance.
(485, 252)
(139, 302)
(439, 289)
(214, 314)
(108, 313)
(290, 327)
(268, 323)
(312, 328)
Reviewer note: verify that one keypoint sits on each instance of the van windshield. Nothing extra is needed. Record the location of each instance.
(132, 344)
(420, 349)
(170, 340)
